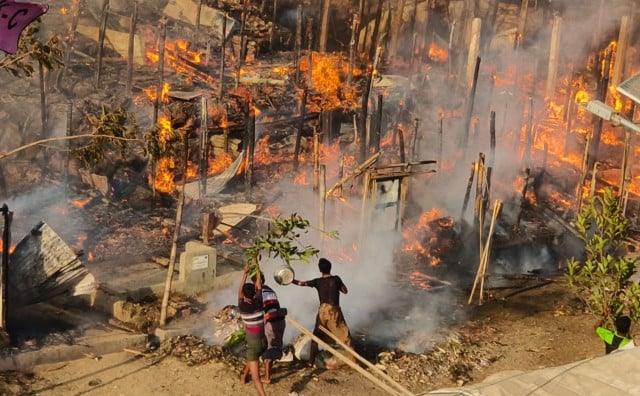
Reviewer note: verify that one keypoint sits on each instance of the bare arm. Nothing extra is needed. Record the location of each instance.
(244, 280)
(299, 283)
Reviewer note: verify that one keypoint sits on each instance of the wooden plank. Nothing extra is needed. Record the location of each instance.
(233, 214)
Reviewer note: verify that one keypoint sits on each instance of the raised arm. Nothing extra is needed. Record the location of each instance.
(244, 280)
(299, 283)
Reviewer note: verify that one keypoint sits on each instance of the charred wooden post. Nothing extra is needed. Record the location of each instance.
(303, 105)
(375, 141)
(526, 155)
(624, 163)
(101, 36)
(77, 4)
(480, 180)
(243, 43)
(361, 6)
(474, 50)
(251, 138)
(298, 43)
(568, 95)
(43, 101)
(396, 25)
(69, 132)
(130, 48)
(309, 54)
(356, 172)
(355, 22)
(553, 57)
(322, 194)
(324, 26)
(621, 51)
(161, 45)
(583, 173)
(196, 29)
(414, 140)
(603, 89)
(376, 29)
(594, 180)
(522, 22)
(7, 216)
(204, 147)
(316, 159)
(469, 105)
(452, 30)
(401, 144)
(523, 197)
(223, 46)
(467, 193)
(274, 17)
(364, 110)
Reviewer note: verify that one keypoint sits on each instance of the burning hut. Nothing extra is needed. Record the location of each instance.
(447, 141)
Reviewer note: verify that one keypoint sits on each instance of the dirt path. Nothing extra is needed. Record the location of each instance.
(540, 327)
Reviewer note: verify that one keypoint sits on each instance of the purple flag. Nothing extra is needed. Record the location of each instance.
(14, 17)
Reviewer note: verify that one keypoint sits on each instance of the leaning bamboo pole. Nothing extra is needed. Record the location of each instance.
(343, 358)
(356, 172)
(482, 265)
(367, 363)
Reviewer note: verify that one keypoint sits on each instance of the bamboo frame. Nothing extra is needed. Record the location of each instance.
(482, 265)
(338, 355)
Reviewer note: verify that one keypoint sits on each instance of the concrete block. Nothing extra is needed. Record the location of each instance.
(197, 267)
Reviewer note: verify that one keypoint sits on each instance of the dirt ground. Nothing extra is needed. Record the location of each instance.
(538, 325)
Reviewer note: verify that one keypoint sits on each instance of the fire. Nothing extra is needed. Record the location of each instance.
(582, 96)
(414, 235)
(192, 170)
(152, 93)
(78, 203)
(438, 54)
(301, 178)
(165, 231)
(164, 176)
(218, 164)
(90, 256)
(325, 78)
(64, 11)
(11, 248)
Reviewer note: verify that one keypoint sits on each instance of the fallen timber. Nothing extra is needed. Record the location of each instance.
(42, 267)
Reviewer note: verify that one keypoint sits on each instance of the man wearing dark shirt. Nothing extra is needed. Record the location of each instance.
(329, 314)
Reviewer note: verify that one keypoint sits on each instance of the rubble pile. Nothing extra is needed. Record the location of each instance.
(194, 350)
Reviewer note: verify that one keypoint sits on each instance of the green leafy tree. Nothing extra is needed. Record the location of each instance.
(31, 51)
(282, 240)
(602, 281)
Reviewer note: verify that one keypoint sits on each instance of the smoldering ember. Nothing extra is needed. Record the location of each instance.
(436, 152)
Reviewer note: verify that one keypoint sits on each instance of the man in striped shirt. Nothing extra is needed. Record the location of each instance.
(274, 326)
(250, 308)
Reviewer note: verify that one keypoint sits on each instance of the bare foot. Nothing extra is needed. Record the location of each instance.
(243, 378)
(266, 380)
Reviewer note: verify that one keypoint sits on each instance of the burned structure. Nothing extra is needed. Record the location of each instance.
(401, 124)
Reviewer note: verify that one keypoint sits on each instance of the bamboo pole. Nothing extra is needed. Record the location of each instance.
(355, 22)
(527, 173)
(356, 172)
(583, 174)
(43, 101)
(101, 36)
(251, 140)
(467, 193)
(396, 25)
(625, 161)
(479, 184)
(414, 142)
(132, 35)
(298, 43)
(594, 180)
(522, 22)
(322, 45)
(303, 105)
(469, 104)
(528, 141)
(482, 265)
(223, 46)
(4, 276)
(309, 54)
(401, 144)
(375, 139)
(343, 358)
(70, 41)
(163, 37)
(174, 242)
(204, 147)
(316, 159)
(376, 29)
(621, 51)
(323, 198)
(496, 211)
(552, 73)
(196, 30)
(274, 17)
(375, 369)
